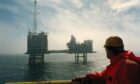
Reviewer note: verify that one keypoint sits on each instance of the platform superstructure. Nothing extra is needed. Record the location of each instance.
(80, 49)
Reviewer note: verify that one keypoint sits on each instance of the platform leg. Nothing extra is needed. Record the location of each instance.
(36, 59)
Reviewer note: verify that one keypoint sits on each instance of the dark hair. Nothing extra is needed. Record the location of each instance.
(115, 50)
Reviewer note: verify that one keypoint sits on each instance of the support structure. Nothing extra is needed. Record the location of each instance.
(36, 59)
(82, 55)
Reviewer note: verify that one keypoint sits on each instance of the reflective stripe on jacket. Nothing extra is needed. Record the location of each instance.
(123, 69)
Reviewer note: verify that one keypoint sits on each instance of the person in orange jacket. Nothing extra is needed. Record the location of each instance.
(124, 67)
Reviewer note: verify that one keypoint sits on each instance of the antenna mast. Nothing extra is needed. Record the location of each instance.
(35, 16)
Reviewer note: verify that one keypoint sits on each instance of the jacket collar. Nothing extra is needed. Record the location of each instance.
(122, 55)
(115, 58)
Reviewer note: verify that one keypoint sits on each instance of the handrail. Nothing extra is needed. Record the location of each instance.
(43, 82)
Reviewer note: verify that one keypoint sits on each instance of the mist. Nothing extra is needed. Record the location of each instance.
(85, 19)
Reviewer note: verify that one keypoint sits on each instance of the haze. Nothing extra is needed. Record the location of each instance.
(85, 19)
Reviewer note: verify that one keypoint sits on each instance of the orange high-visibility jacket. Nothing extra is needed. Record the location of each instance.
(123, 69)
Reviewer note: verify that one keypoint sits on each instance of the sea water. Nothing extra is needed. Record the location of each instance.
(58, 66)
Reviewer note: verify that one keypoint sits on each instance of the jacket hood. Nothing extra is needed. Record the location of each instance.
(130, 55)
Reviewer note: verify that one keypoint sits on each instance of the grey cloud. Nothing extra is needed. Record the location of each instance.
(93, 19)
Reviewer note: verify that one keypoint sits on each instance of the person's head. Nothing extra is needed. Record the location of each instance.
(113, 45)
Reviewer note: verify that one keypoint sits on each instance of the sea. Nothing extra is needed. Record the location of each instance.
(57, 66)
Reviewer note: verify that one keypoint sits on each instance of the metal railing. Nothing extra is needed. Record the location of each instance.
(43, 82)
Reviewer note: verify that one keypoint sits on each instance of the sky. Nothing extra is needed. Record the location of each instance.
(85, 19)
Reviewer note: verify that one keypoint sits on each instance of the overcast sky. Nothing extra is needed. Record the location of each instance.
(85, 19)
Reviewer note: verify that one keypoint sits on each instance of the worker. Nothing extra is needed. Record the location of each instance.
(124, 67)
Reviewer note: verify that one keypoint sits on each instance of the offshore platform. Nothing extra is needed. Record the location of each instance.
(80, 49)
(37, 45)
